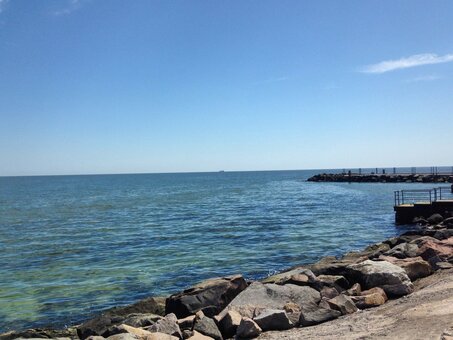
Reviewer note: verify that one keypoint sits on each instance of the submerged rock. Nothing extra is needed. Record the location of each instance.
(209, 296)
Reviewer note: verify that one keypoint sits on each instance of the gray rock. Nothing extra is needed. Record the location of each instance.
(415, 267)
(389, 277)
(329, 292)
(258, 297)
(166, 325)
(273, 320)
(337, 281)
(125, 329)
(208, 327)
(198, 336)
(286, 277)
(315, 315)
(210, 296)
(186, 323)
(435, 219)
(141, 320)
(116, 316)
(403, 250)
(443, 234)
(343, 304)
(229, 323)
(248, 329)
(354, 290)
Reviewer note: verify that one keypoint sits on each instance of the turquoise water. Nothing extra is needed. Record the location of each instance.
(72, 246)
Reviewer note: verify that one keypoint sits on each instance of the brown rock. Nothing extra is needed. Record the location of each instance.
(368, 301)
(199, 336)
(414, 267)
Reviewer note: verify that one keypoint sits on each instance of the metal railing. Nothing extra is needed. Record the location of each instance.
(423, 195)
(433, 170)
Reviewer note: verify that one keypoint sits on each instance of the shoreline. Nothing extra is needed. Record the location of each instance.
(334, 285)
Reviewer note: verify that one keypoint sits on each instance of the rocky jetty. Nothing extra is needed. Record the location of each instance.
(305, 296)
(382, 178)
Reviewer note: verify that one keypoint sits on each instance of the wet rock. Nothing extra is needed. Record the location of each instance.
(273, 319)
(248, 329)
(343, 304)
(258, 297)
(166, 325)
(210, 296)
(354, 290)
(229, 323)
(39, 333)
(314, 315)
(414, 267)
(389, 277)
(435, 219)
(208, 327)
(116, 316)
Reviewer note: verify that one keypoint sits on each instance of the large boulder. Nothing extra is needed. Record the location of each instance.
(330, 265)
(259, 297)
(414, 267)
(386, 275)
(369, 300)
(141, 320)
(435, 219)
(273, 320)
(288, 276)
(209, 296)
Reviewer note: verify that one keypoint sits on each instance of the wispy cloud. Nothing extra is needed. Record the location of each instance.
(71, 6)
(3, 5)
(271, 80)
(431, 77)
(412, 61)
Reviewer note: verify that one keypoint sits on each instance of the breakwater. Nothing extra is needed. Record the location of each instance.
(382, 178)
(307, 295)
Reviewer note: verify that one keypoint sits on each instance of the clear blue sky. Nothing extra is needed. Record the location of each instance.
(109, 86)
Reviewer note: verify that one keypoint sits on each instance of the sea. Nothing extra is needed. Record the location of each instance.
(72, 246)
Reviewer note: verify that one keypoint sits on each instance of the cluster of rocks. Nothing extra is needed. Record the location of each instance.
(382, 178)
(231, 307)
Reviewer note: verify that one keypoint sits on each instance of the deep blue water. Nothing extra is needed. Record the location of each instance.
(71, 246)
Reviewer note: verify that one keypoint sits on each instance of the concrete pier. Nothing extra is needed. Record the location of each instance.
(411, 204)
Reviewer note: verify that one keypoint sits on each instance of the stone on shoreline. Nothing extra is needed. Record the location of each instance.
(198, 336)
(314, 315)
(273, 319)
(414, 267)
(208, 327)
(386, 275)
(167, 325)
(402, 250)
(248, 329)
(210, 296)
(343, 304)
(229, 323)
(258, 297)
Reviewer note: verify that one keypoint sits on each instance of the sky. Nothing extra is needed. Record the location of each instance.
(110, 86)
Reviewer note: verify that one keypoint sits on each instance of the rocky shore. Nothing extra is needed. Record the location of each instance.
(405, 282)
(382, 178)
